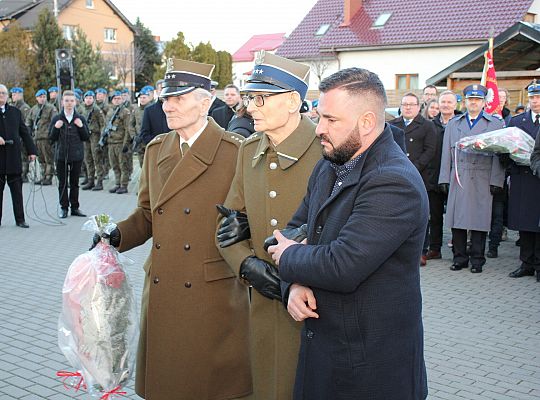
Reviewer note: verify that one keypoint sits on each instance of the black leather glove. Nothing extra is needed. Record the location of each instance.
(296, 234)
(495, 189)
(234, 228)
(125, 149)
(114, 238)
(443, 188)
(263, 276)
(505, 159)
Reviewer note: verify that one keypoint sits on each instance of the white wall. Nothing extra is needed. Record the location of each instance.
(535, 9)
(238, 70)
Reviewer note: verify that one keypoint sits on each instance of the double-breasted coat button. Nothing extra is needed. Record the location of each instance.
(187, 284)
(407, 154)
(309, 334)
(318, 230)
(411, 140)
(187, 210)
(156, 280)
(272, 194)
(158, 246)
(273, 222)
(273, 165)
(160, 211)
(187, 247)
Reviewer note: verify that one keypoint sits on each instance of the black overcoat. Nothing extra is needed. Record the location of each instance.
(361, 262)
(68, 140)
(222, 116)
(524, 188)
(12, 128)
(154, 122)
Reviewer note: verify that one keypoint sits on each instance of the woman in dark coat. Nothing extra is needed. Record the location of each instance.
(241, 123)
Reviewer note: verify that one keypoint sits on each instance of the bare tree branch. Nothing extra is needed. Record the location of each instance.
(11, 72)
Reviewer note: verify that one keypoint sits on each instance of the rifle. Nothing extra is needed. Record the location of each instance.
(36, 121)
(109, 128)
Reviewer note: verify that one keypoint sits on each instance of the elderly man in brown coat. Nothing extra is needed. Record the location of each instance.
(271, 178)
(194, 318)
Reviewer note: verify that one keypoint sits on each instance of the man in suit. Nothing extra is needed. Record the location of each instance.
(524, 193)
(216, 101)
(271, 178)
(194, 319)
(356, 282)
(154, 120)
(13, 132)
(470, 181)
(223, 115)
(421, 139)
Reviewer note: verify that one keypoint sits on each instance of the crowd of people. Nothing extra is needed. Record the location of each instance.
(304, 283)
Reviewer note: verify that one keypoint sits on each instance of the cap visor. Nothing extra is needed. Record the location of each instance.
(263, 87)
(176, 91)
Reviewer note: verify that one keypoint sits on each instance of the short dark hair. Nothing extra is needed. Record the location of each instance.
(356, 81)
(430, 87)
(231, 86)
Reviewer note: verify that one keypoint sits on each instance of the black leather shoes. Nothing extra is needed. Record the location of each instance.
(476, 270)
(492, 253)
(22, 225)
(63, 213)
(457, 267)
(521, 271)
(77, 213)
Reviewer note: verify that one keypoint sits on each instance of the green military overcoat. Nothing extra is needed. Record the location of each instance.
(195, 313)
(269, 184)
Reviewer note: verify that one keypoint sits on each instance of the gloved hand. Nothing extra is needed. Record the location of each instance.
(495, 189)
(263, 276)
(125, 149)
(443, 188)
(505, 159)
(114, 238)
(234, 228)
(296, 234)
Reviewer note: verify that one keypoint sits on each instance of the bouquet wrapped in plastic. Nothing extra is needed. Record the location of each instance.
(98, 326)
(512, 141)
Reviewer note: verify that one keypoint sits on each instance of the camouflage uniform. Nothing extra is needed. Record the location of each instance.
(128, 155)
(38, 120)
(25, 109)
(93, 154)
(135, 124)
(118, 139)
(104, 106)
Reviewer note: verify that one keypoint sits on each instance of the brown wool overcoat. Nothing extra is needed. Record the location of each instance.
(194, 316)
(269, 185)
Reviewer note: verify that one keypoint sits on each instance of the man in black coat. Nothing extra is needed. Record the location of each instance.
(68, 132)
(356, 283)
(421, 141)
(216, 101)
(524, 194)
(223, 115)
(13, 131)
(154, 121)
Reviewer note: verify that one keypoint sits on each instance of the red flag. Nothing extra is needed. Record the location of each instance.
(493, 105)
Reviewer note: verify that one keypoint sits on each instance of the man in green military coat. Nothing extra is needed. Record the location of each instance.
(38, 121)
(271, 178)
(116, 134)
(93, 153)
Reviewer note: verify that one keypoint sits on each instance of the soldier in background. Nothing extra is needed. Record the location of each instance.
(17, 100)
(53, 95)
(93, 154)
(39, 119)
(116, 135)
(145, 99)
(103, 104)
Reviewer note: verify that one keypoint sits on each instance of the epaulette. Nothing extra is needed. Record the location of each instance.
(157, 139)
(233, 137)
(253, 138)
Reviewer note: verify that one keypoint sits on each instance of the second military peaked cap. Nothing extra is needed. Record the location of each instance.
(533, 89)
(475, 91)
(273, 73)
(184, 76)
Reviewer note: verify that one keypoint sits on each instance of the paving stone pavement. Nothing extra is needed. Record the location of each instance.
(482, 331)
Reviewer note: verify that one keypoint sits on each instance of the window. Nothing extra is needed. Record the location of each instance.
(529, 17)
(407, 81)
(110, 35)
(89, 3)
(69, 31)
(383, 18)
(322, 30)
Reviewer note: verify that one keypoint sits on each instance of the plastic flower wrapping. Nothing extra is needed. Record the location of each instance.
(512, 141)
(98, 325)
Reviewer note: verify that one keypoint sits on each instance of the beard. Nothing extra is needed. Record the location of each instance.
(346, 150)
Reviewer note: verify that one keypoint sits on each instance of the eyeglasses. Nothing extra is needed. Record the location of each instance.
(3, 92)
(409, 104)
(258, 99)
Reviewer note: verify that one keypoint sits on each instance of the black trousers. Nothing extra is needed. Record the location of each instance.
(478, 247)
(497, 220)
(15, 187)
(72, 170)
(529, 250)
(436, 210)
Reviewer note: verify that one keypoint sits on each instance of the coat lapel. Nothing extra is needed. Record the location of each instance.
(177, 172)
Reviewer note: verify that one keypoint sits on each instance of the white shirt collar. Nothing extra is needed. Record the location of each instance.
(69, 117)
(194, 137)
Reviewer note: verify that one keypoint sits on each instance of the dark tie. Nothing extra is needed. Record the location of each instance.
(185, 148)
(537, 120)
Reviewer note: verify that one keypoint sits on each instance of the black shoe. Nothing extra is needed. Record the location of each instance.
(114, 189)
(492, 253)
(22, 225)
(518, 242)
(88, 186)
(63, 213)
(77, 213)
(85, 181)
(522, 271)
(537, 276)
(476, 270)
(121, 190)
(457, 267)
(99, 186)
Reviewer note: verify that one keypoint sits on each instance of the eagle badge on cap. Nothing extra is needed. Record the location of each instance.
(259, 58)
(475, 87)
(170, 64)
